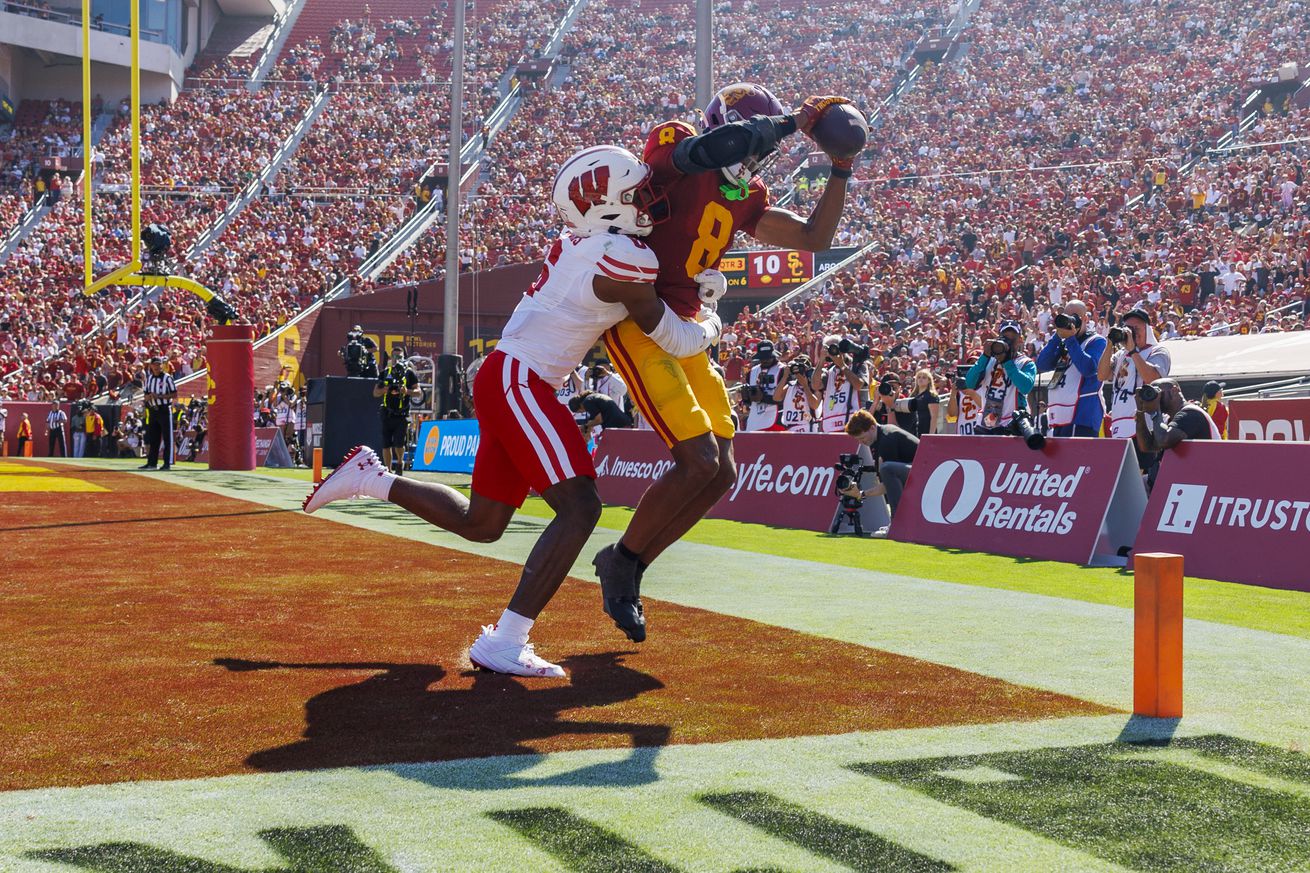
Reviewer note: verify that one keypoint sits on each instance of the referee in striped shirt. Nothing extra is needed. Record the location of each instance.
(160, 391)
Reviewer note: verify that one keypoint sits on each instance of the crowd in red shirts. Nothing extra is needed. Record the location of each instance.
(1066, 154)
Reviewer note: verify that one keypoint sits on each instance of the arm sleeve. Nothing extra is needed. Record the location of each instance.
(1160, 359)
(1049, 354)
(975, 375)
(1021, 377)
(680, 338)
(1086, 361)
(731, 144)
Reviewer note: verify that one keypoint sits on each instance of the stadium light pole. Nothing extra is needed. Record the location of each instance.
(704, 55)
(450, 318)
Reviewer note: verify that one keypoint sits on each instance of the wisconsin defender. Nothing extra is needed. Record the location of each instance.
(595, 274)
(713, 189)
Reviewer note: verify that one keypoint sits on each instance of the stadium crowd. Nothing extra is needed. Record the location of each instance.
(969, 225)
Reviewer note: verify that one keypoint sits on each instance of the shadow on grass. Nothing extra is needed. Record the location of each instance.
(397, 717)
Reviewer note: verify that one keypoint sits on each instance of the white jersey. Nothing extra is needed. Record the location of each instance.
(795, 414)
(1124, 382)
(763, 415)
(840, 401)
(560, 318)
(969, 417)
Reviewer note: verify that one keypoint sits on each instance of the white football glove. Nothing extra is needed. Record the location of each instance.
(713, 285)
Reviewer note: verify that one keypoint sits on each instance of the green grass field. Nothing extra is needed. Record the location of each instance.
(1226, 788)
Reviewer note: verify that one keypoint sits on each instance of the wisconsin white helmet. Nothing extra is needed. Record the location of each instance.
(603, 189)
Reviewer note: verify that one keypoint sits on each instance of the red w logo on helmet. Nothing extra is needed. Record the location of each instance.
(588, 189)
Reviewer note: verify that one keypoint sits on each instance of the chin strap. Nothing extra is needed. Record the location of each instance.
(739, 191)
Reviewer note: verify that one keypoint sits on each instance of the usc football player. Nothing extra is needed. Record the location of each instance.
(711, 188)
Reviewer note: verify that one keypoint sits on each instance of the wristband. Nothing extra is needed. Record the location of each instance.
(840, 173)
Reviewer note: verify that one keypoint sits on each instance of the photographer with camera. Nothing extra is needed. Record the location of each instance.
(920, 410)
(796, 400)
(890, 451)
(844, 375)
(397, 385)
(1003, 376)
(592, 409)
(77, 423)
(1165, 418)
(761, 385)
(1073, 355)
(1132, 358)
(605, 381)
(359, 354)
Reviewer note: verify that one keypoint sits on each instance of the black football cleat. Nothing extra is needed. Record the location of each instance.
(620, 592)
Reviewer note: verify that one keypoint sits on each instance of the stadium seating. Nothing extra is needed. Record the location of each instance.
(967, 224)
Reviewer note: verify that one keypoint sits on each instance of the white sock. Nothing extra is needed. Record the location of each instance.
(513, 627)
(378, 486)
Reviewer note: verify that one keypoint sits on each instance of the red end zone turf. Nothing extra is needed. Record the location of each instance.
(156, 632)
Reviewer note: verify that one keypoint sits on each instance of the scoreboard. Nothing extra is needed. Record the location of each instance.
(776, 268)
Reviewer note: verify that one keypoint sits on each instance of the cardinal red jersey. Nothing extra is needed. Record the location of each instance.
(701, 222)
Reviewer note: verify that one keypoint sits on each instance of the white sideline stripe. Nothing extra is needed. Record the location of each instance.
(565, 464)
(542, 457)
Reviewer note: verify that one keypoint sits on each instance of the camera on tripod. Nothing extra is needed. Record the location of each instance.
(849, 470)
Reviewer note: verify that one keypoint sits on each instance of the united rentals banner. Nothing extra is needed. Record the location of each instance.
(1281, 420)
(1077, 500)
(1236, 511)
(447, 446)
(784, 479)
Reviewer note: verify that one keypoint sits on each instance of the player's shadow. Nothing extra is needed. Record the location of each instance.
(395, 718)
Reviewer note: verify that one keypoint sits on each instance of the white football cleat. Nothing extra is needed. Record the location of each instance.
(501, 656)
(347, 480)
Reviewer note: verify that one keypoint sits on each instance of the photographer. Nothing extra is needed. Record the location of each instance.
(892, 451)
(1073, 355)
(1132, 358)
(1002, 376)
(796, 400)
(844, 375)
(593, 409)
(359, 354)
(1164, 418)
(758, 392)
(605, 381)
(920, 410)
(397, 386)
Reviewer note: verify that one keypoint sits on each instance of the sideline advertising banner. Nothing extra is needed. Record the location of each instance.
(1078, 500)
(270, 448)
(1236, 511)
(447, 446)
(1280, 420)
(784, 479)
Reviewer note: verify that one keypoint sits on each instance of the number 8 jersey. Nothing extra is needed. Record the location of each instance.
(701, 221)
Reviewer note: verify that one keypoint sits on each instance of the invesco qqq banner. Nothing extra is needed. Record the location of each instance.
(1235, 511)
(447, 446)
(785, 479)
(1077, 500)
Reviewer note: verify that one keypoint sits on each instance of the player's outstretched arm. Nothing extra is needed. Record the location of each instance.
(677, 337)
(787, 230)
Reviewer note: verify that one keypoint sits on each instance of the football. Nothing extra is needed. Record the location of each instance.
(841, 131)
